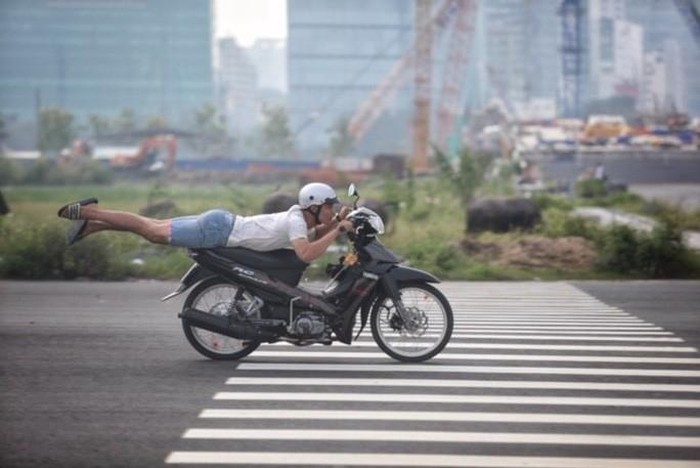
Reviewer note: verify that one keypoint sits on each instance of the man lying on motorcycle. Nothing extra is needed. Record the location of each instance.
(309, 227)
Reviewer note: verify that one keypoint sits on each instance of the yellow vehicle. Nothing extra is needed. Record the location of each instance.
(604, 129)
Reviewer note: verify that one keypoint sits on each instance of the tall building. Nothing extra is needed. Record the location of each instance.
(663, 86)
(662, 21)
(237, 87)
(654, 85)
(519, 50)
(677, 92)
(338, 52)
(620, 59)
(98, 57)
(270, 59)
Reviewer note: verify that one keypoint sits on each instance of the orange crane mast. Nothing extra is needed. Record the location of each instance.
(422, 86)
(420, 56)
(373, 107)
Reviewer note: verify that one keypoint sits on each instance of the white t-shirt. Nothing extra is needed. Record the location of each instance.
(268, 231)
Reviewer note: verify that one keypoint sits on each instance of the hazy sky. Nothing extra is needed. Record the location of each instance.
(248, 20)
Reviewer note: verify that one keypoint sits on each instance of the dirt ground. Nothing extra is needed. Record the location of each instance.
(569, 253)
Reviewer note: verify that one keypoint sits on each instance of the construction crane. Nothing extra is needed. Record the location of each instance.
(690, 12)
(373, 107)
(420, 58)
(450, 104)
(422, 86)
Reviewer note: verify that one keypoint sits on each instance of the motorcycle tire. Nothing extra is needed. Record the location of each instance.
(429, 328)
(214, 296)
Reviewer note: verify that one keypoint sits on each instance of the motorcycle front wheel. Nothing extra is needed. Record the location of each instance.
(423, 331)
(216, 297)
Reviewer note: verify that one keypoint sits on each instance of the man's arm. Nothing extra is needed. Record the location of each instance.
(310, 251)
(322, 229)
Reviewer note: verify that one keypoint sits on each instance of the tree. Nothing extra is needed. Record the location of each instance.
(3, 132)
(468, 177)
(276, 139)
(214, 139)
(157, 122)
(55, 130)
(125, 121)
(100, 126)
(341, 141)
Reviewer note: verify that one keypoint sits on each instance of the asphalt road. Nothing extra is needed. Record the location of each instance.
(100, 374)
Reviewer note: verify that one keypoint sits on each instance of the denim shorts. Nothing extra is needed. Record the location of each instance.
(205, 231)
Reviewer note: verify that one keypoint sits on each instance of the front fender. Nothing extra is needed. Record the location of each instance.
(404, 274)
(400, 274)
(194, 275)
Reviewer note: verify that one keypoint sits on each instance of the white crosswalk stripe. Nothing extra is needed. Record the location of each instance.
(536, 374)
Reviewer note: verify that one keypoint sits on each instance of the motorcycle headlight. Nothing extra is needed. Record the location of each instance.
(370, 217)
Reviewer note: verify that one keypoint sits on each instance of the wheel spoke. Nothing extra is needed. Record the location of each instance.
(425, 327)
(217, 299)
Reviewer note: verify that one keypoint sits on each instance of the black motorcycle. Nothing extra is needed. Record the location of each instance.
(243, 298)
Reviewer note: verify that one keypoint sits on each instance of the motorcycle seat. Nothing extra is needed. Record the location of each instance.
(282, 259)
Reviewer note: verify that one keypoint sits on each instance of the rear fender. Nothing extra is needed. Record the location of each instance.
(194, 275)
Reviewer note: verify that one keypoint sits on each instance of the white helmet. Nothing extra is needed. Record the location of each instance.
(316, 194)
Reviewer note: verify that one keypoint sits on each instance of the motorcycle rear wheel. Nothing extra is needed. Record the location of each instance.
(425, 334)
(216, 297)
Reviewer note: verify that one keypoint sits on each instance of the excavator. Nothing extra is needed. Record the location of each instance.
(154, 155)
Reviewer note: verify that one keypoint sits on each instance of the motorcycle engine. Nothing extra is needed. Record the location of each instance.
(308, 325)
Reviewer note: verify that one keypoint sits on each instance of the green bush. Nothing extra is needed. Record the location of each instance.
(46, 172)
(79, 173)
(618, 249)
(547, 201)
(590, 188)
(439, 259)
(673, 215)
(559, 223)
(662, 254)
(658, 254)
(10, 172)
(40, 251)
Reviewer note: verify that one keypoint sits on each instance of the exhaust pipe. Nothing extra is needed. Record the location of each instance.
(225, 326)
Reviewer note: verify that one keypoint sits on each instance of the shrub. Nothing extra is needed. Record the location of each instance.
(546, 201)
(662, 253)
(438, 258)
(10, 172)
(39, 251)
(558, 223)
(659, 254)
(618, 249)
(84, 172)
(46, 172)
(31, 252)
(590, 188)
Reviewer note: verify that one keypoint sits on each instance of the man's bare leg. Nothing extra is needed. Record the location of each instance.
(154, 230)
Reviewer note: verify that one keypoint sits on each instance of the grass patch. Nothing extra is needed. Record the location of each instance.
(426, 228)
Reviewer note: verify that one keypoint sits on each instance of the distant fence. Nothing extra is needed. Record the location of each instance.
(245, 165)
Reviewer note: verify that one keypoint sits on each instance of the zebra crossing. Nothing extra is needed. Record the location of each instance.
(536, 374)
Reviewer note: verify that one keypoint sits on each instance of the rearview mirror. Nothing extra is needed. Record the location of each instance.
(352, 191)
